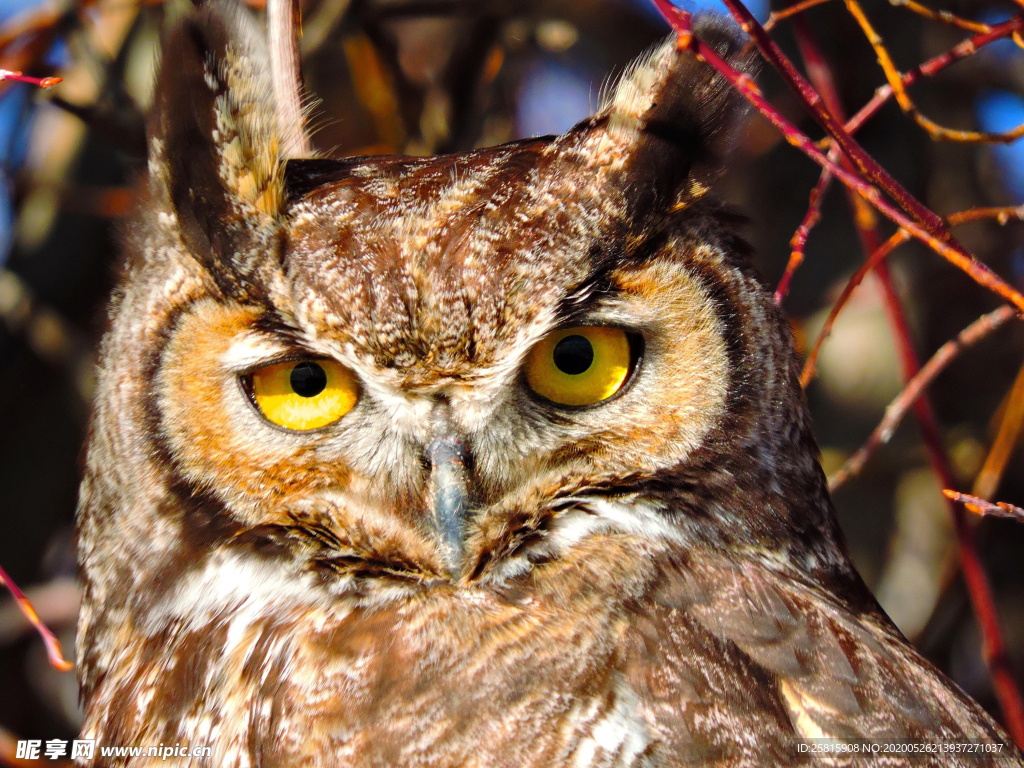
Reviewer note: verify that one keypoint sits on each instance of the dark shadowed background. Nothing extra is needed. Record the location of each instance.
(423, 76)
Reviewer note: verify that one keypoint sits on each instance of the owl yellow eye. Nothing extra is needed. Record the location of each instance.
(304, 394)
(579, 366)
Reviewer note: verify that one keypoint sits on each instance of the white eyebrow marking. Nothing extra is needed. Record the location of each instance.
(249, 349)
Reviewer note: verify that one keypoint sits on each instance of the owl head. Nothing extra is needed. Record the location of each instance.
(385, 374)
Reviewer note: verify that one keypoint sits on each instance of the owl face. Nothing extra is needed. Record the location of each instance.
(421, 310)
(423, 360)
(363, 378)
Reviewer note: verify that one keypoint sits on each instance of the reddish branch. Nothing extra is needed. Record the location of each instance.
(799, 240)
(1011, 27)
(941, 242)
(981, 507)
(876, 257)
(882, 95)
(53, 652)
(977, 584)
(1002, 215)
(42, 82)
(916, 387)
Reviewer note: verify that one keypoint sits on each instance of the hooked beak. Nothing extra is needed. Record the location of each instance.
(449, 488)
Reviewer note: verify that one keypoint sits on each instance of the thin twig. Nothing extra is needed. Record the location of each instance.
(776, 16)
(895, 80)
(942, 243)
(53, 652)
(42, 82)
(1001, 215)
(818, 69)
(987, 508)
(810, 365)
(987, 482)
(900, 406)
(933, 66)
(798, 243)
(56, 603)
(944, 17)
(27, 53)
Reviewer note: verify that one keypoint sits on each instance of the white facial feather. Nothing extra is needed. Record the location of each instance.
(242, 587)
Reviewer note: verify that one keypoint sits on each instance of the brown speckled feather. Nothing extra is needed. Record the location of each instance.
(657, 579)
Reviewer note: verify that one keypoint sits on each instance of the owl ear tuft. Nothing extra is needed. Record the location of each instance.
(674, 116)
(215, 147)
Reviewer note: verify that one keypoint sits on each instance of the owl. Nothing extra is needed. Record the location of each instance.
(488, 459)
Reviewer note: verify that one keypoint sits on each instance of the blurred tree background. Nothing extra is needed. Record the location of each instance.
(427, 76)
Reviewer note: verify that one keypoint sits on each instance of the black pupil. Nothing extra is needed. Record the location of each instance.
(573, 355)
(308, 379)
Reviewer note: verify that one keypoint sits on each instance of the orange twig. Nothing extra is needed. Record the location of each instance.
(895, 80)
(987, 482)
(1009, 28)
(899, 407)
(944, 17)
(776, 16)
(42, 82)
(810, 365)
(53, 652)
(986, 508)
(1001, 215)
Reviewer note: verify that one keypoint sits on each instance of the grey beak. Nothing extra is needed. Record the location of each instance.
(449, 489)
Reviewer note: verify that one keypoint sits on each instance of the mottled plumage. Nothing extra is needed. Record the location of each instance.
(657, 579)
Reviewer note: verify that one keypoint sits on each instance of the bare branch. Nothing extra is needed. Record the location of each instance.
(895, 79)
(900, 406)
(53, 652)
(986, 508)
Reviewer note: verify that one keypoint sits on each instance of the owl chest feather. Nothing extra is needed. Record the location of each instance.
(435, 676)
(698, 662)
